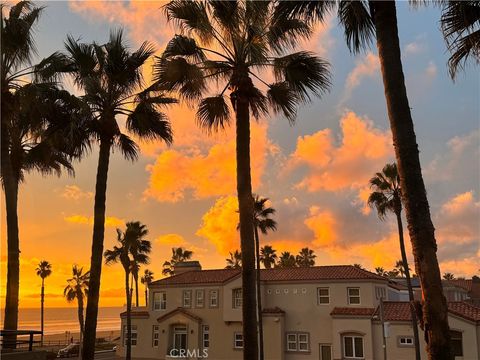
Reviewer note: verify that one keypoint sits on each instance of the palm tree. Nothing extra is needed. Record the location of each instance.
(178, 255)
(262, 221)
(44, 269)
(381, 271)
(286, 260)
(225, 44)
(387, 197)
(77, 289)
(234, 261)
(139, 248)
(393, 273)
(268, 256)
(363, 22)
(448, 276)
(306, 258)
(111, 78)
(461, 28)
(131, 251)
(32, 113)
(358, 266)
(146, 279)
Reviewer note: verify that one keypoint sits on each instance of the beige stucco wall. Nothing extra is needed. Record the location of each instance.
(361, 326)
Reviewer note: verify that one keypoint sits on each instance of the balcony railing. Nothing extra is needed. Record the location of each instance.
(9, 339)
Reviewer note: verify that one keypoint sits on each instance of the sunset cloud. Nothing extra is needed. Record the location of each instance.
(88, 220)
(73, 192)
(205, 174)
(363, 150)
(219, 225)
(175, 240)
(323, 225)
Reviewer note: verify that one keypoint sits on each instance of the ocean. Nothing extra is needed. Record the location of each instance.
(60, 320)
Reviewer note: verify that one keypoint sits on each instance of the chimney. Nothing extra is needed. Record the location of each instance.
(185, 266)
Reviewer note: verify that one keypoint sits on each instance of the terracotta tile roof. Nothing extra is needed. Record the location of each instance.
(400, 310)
(136, 314)
(465, 310)
(461, 283)
(179, 310)
(199, 277)
(337, 272)
(352, 311)
(275, 310)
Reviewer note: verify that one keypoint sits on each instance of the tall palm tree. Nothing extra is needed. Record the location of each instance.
(77, 289)
(381, 271)
(111, 78)
(268, 256)
(178, 255)
(32, 113)
(225, 44)
(461, 28)
(306, 258)
(363, 22)
(44, 269)
(234, 261)
(262, 221)
(286, 260)
(146, 279)
(139, 247)
(387, 198)
(132, 249)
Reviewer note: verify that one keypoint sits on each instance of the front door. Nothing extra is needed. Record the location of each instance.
(180, 338)
(325, 352)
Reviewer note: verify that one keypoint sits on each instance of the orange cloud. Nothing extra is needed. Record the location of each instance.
(206, 174)
(88, 220)
(219, 225)
(73, 192)
(323, 225)
(363, 150)
(171, 240)
(459, 203)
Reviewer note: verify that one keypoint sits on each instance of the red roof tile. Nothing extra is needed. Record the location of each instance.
(352, 311)
(338, 272)
(400, 310)
(461, 283)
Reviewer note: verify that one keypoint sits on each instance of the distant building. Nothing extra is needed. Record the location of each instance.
(324, 313)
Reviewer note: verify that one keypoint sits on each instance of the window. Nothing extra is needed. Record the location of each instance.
(405, 341)
(380, 292)
(155, 335)
(206, 336)
(159, 300)
(187, 298)
(238, 340)
(237, 298)
(134, 335)
(199, 298)
(353, 347)
(323, 296)
(213, 298)
(456, 342)
(325, 352)
(353, 296)
(298, 342)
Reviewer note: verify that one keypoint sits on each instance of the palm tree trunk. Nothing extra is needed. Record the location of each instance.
(13, 253)
(97, 250)
(128, 293)
(80, 321)
(146, 296)
(421, 230)
(136, 291)
(409, 286)
(247, 241)
(42, 301)
(259, 297)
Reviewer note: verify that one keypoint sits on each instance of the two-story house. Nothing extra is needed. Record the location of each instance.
(323, 312)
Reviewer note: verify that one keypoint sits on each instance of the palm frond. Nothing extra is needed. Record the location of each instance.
(226, 12)
(304, 73)
(148, 123)
(257, 102)
(358, 24)
(283, 99)
(182, 45)
(286, 32)
(127, 146)
(213, 113)
(52, 67)
(309, 10)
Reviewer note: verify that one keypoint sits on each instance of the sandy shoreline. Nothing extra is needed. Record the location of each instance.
(61, 339)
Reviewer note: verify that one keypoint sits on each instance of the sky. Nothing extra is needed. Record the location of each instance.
(315, 173)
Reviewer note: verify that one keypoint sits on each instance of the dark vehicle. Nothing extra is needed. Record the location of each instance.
(70, 350)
